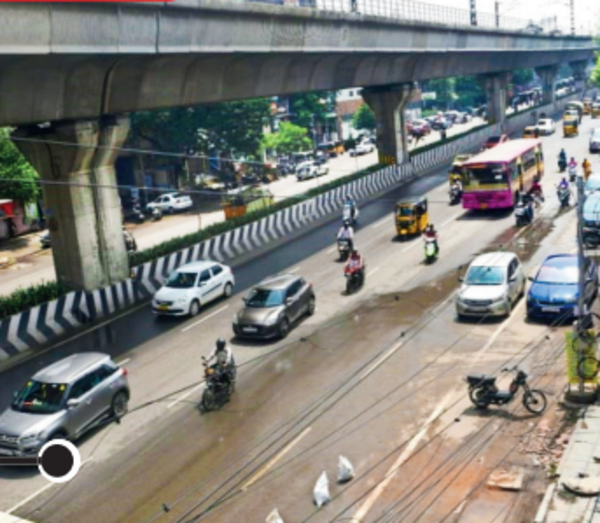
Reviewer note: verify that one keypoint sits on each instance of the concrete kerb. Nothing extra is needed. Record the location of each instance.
(60, 320)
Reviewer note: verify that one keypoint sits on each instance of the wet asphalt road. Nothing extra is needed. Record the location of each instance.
(160, 452)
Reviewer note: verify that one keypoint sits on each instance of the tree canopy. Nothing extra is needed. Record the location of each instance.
(309, 108)
(522, 77)
(18, 179)
(364, 118)
(289, 139)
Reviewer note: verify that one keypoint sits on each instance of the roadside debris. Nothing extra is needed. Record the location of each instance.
(582, 486)
(321, 491)
(345, 470)
(507, 478)
(274, 517)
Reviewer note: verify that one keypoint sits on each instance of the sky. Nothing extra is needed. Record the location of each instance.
(587, 12)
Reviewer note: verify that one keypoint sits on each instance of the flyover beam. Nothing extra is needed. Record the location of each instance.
(81, 198)
(388, 104)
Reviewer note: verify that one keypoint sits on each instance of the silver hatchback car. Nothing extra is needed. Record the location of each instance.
(64, 401)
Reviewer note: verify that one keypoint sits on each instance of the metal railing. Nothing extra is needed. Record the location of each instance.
(414, 11)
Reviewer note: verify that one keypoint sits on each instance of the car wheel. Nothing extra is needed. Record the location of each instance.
(194, 308)
(228, 291)
(310, 310)
(284, 328)
(119, 404)
(170, 210)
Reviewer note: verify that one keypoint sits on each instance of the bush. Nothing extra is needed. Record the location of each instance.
(23, 299)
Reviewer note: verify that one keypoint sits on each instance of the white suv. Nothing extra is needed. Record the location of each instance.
(493, 283)
(192, 286)
(171, 202)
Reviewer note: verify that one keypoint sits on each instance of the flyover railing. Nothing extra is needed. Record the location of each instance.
(412, 10)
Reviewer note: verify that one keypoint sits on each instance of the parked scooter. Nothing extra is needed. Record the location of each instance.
(564, 196)
(483, 392)
(455, 195)
(138, 215)
(130, 243)
(355, 278)
(218, 389)
(431, 250)
(156, 214)
(524, 211)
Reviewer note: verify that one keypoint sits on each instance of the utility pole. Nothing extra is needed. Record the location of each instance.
(497, 12)
(572, 5)
(579, 327)
(473, 10)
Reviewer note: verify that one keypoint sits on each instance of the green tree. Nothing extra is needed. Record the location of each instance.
(443, 89)
(18, 179)
(290, 138)
(521, 77)
(364, 118)
(595, 76)
(309, 108)
(469, 91)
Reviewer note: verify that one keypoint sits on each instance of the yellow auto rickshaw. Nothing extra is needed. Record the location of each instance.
(595, 109)
(577, 106)
(456, 173)
(570, 125)
(587, 106)
(411, 216)
(531, 132)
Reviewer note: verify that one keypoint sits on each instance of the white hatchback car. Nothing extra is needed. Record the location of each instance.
(192, 286)
(171, 202)
(493, 283)
(546, 126)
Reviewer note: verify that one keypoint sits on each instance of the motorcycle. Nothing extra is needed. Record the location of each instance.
(343, 245)
(347, 214)
(562, 165)
(431, 250)
(572, 173)
(138, 215)
(483, 392)
(455, 195)
(355, 278)
(156, 214)
(564, 195)
(217, 391)
(524, 212)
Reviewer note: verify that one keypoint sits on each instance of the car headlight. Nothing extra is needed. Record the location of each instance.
(181, 301)
(29, 438)
(271, 320)
(236, 320)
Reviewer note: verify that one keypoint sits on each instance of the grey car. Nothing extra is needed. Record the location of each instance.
(273, 306)
(64, 401)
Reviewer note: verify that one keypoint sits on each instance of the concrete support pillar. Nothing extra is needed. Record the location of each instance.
(81, 198)
(388, 103)
(579, 73)
(495, 86)
(548, 76)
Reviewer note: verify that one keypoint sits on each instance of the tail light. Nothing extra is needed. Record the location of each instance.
(125, 371)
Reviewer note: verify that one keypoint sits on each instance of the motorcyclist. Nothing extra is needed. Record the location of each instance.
(564, 184)
(346, 232)
(457, 184)
(525, 202)
(572, 164)
(431, 234)
(350, 202)
(536, 191)
(356, 262)
(587, 169)
(562, 156)
(224, 363)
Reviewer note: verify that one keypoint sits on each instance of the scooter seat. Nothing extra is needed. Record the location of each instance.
(480, 379)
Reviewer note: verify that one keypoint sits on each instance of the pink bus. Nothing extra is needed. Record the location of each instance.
(494, 178)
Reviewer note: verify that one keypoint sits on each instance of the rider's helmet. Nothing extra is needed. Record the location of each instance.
(564, 180)
(346, 224)
(221, 344)
(354, 253)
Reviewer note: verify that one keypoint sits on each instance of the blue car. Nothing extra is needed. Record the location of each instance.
(591, 220)
(554, 291)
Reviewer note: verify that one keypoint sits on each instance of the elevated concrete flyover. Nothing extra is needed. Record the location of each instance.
(84, 66)
(82, 60)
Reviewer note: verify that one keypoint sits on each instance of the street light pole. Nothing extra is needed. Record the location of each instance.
(578, 326)
(473, 10)
(497, 12)
(572, 6)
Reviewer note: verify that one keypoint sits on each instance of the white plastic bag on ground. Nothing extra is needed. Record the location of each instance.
(345, 470)
(321, 491)
(274, 517)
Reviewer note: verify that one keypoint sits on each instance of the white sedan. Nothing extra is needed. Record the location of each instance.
(546, 126)
(192, 286)
(362, 148)
(171, 202)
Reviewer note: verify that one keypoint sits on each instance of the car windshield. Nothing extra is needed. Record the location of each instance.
(481, 275)
(593, 183)
(265, 298)
(493, 139)
(406, 211)
(40, 398)
(182, 280)
(568, 275)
